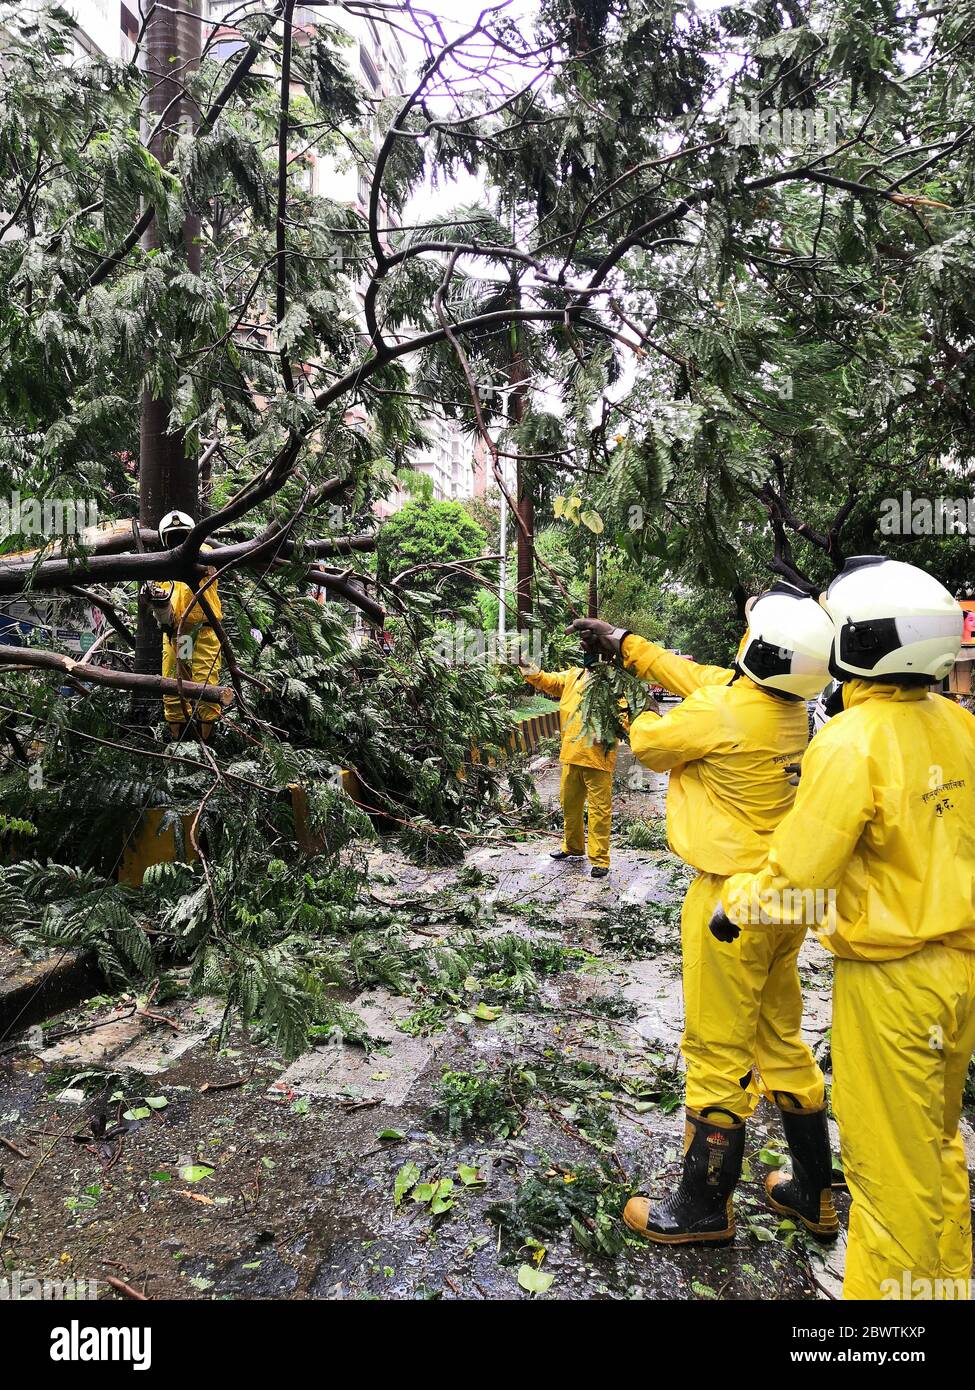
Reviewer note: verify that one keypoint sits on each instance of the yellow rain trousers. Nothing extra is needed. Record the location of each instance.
(879, 855)
(587, 769)
(726, 749)
(742, 1013)
(582, 786)
(199, 654)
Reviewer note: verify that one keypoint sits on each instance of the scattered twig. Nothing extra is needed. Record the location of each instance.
(126, 1289)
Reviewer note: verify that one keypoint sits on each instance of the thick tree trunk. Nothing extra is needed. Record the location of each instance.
(168, 480)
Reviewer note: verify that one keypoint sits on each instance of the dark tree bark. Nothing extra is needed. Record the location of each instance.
(168, 480)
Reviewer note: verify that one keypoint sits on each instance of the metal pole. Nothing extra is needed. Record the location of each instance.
(503, 582)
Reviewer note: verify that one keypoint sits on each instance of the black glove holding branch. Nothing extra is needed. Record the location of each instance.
(598, 636)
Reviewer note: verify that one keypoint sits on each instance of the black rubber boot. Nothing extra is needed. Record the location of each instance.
(805, 1193)
(700, 1211)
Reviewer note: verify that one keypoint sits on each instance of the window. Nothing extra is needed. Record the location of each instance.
(225, 48)
(370, 71)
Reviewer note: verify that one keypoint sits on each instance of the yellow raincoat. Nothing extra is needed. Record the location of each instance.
(587, 769)
(199, 655)
(727, 748)
(879, 855)
(675, 673)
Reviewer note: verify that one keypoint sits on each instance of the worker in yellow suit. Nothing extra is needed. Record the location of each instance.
(878, 854)
(587, 770)
(728, 748)
(191, 647)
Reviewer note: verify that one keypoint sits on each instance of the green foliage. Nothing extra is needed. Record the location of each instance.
(11, 825)
(611, 697)
(637, 930)
(808, 335)
(426, 534)
(646, 834)
(432, 846)
(586, 1201)
(481, 1103)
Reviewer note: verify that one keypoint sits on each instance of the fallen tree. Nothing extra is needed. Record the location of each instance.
(631, 255)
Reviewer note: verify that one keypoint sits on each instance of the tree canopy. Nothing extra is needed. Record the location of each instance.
(718, 287)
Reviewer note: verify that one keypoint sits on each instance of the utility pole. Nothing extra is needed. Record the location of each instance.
(503, 571)
(524, 493)
(168, 480)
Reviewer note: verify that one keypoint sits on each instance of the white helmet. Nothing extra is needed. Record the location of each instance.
(893, 622)
(174, 528)
(786, 647)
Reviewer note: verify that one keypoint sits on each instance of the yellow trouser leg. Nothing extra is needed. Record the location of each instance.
(172, 707)
(204, 669)
(742, 1007)
(573, 796)
(599, 798)
(903, 1034)
(784, 1060)
(207, 660)
(955, 1246)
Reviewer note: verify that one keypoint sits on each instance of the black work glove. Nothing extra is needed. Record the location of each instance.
(721, 927)
(599, 636)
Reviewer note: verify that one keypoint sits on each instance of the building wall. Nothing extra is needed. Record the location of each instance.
(106, 28)
(448, 460)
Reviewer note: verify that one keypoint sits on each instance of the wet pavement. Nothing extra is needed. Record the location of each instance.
(480, 1148)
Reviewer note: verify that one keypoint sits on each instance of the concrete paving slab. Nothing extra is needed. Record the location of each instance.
(91, 1049)
(34, 990)
(388, 1075)
(158, 1049)
(655, 990)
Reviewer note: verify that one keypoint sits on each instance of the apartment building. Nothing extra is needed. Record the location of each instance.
(448, 460)
(106, 28)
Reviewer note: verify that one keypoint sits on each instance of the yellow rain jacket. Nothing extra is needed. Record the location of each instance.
(878, 854)
(884, 823)
(587, 769)
(199, 652)
(675, 673)
(567, 687)
(726, 749)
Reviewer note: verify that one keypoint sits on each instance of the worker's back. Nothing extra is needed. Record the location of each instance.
(727, 748)
(889, 791)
